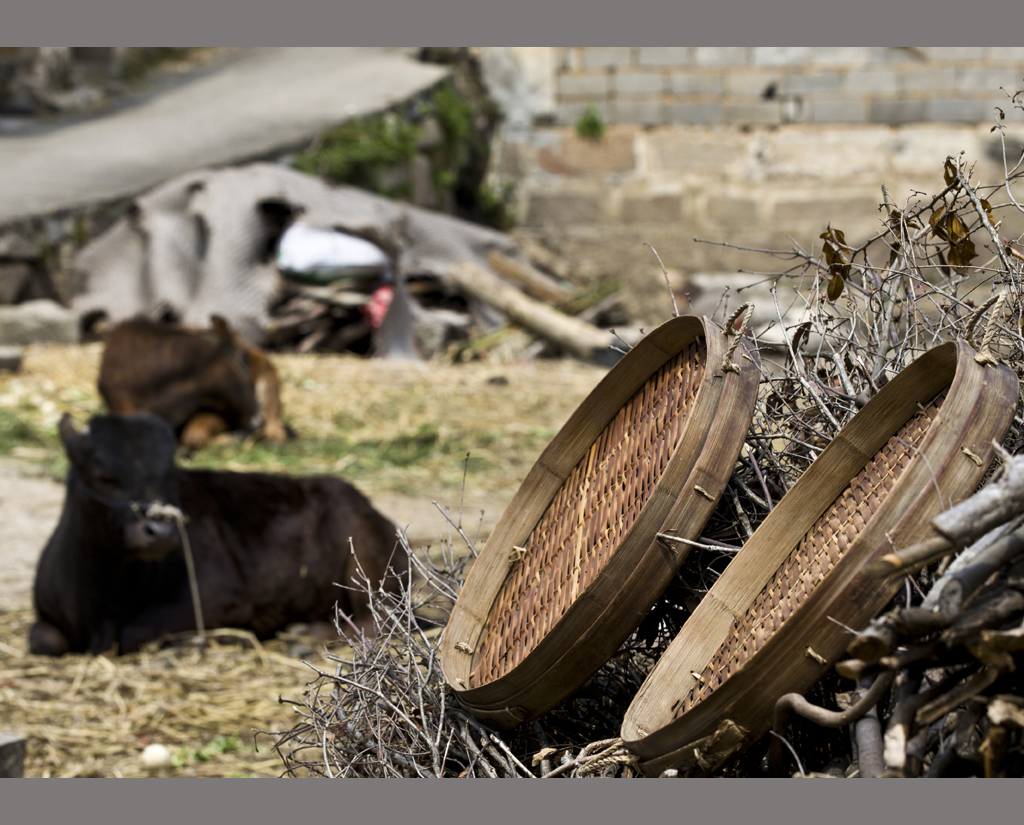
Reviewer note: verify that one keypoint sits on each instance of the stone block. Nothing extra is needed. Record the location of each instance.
(695, 84)
(769, 113)
(629, 82)
(693, 112)
(804, 83)
(563, 209)
(720, 55)
(946, 54)
(988, 80)
(896, 54)
(577, 156)
(732, 213)
(928, 80)
(38, 321)
(583, 85)
(897, 111)
(606, 56)
(750, 84)
(566, 114)
(1012, 54)
(12, 756)
(837, 211)
(838, 111)
(674, 150)
(841, 55)
(665, 56)
(781, 55)
(652, 209)
(877, 81)
(958, 110)
(647, 112)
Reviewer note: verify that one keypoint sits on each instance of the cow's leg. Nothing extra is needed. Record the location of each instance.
(46, 640)
(156, 621)
(268, 393)
(201, 429)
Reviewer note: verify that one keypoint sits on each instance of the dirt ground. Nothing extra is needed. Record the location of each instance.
(29, 509)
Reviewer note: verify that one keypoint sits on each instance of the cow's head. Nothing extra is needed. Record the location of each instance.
(126, 464)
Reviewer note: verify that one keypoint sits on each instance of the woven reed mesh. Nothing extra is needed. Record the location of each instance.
(814, 555)
(594, 508)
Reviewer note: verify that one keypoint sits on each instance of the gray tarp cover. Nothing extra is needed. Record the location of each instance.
(197, 244)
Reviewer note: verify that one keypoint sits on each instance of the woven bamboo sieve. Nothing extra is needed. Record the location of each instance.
(775, 621)
(573, 564)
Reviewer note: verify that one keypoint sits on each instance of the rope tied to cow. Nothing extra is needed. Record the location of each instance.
(167, 512)
(162, 510)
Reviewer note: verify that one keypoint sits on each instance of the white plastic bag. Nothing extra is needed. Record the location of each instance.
(324, 255)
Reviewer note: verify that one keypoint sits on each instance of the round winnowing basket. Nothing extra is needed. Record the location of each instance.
(776, 619)
(574, 563)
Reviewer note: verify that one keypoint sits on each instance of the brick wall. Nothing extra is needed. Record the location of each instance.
(755, 147)
(774, 85)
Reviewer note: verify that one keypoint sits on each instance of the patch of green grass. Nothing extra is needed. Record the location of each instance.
(140, 61)
(18, 429)
(358, 152)
(425, 460)
(23, 436)
(189, 756)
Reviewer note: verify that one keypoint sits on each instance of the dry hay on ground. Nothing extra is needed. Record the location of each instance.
(401, 427)
(92, 716)
(86, 716)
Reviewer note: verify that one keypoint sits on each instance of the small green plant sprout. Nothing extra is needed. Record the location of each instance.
(590, 124)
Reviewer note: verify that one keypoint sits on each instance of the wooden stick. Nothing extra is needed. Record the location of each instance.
(794, 702)
(534, 282)
(577, 337)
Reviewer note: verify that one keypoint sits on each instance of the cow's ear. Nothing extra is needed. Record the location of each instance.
(67, 430)
(72, 439)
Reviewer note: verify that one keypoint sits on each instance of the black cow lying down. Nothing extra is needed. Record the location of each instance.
(268, 549)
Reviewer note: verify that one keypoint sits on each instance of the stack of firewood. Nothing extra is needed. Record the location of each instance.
(471, 309)
(950, 657)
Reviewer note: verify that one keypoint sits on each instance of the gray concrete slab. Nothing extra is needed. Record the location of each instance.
(265, 100)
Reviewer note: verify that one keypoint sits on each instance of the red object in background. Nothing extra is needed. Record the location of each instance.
(377, 307)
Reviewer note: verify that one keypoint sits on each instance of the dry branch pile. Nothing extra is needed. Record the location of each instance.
(932, 685)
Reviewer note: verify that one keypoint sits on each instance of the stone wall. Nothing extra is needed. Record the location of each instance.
(755, 147)
(772, 85)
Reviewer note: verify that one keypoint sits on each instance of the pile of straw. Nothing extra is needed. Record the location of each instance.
(93, 715)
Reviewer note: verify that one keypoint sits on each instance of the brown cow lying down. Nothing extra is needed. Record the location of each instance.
(201, 382)
(268, 549)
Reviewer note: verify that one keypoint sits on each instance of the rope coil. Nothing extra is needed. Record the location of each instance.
(615, 754)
